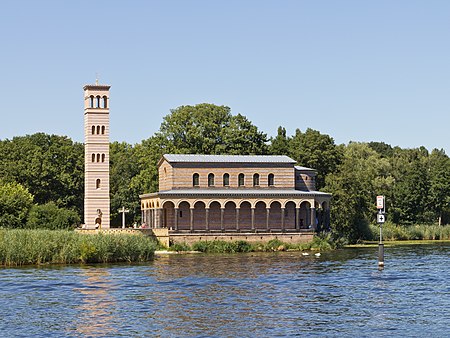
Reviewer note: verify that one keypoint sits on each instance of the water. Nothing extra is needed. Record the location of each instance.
(243, 295)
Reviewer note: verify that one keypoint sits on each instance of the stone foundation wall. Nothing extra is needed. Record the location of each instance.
(292, 238)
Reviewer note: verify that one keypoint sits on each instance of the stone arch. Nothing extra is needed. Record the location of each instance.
(245, 215)
(290, 215)
(304, 215)
(275, 215)
(199, 215)
(260, 215)
(229, 215)
(215, 215)
(168, 214)
(183, 215)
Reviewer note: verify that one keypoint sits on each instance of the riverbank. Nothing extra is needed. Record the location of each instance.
(368, 244)
(34, 247)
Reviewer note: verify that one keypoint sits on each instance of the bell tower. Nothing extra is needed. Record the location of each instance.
(96, 156)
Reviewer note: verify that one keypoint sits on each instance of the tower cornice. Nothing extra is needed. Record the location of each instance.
(96, 87)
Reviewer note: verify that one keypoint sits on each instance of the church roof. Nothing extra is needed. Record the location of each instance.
(297, 167)
(194, 158)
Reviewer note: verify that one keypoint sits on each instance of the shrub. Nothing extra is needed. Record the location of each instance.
(15, 203)
(49, 216)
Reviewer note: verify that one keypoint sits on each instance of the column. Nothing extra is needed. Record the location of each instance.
(191, 215)
(142, 216)
(313, 218)
(237, 219)
(282, 219)
(160, 216)
(267, 218)
(176, 219)
(308, 218)
(222, 211)
(297, 218)
(207, 219)
(253, 219)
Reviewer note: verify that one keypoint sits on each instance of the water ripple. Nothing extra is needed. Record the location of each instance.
(269, 295)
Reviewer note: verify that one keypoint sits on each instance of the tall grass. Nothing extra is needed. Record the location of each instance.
(22, 247)
(394, 232)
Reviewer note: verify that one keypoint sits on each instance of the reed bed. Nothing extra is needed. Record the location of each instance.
(23, 247)
(394, 232)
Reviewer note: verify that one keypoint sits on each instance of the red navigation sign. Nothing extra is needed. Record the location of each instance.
(380, 202)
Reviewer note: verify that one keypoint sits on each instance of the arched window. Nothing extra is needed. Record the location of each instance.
(97, 184)
(256, 180)
(196, 180)
(98, 157)
(98, 101)
(105, 102)
(271, 180)
(210, 180)
(226, 180)
(92, 101)
(103, 130)
(241, 180)
(93, 130)
(93, 157)
(98, 130)
(103, 157)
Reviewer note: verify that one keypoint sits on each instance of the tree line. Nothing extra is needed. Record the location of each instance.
(42, 176)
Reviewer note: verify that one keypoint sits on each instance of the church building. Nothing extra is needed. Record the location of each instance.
(234, 193)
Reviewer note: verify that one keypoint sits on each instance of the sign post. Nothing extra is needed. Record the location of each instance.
(381, 218)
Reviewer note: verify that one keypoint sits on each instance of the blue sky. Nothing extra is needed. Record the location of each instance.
(356, 70)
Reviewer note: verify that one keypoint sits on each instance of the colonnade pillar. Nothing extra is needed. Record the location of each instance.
(253, 219)
(160, 218)
(297, 218)
(222, 211)
(313, 218)
(207, 219)
(191, 216)
(267, 218)
(176, 218)
(282, 218)
(237, 219)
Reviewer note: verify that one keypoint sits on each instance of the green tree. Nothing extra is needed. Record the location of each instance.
(123, 168)
(15, 204)
(359, 178)
(49, 216)
(280, 144)
(209, 129)
(439, 168)
(51, 167)
(315, 150)
(411, 190)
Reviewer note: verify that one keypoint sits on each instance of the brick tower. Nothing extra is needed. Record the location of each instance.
(96, 156)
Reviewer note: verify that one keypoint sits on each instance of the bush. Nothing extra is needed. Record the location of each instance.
(49, 216)
(15, 203)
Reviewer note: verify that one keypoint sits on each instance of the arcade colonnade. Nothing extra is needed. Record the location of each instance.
(212, 214)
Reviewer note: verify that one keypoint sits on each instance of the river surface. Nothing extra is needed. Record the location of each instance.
(341, 293)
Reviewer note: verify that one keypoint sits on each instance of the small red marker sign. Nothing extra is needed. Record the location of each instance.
(380, 202)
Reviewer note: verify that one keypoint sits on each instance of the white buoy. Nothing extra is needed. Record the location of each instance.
(317, 254)
(305, 254)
